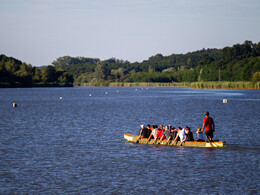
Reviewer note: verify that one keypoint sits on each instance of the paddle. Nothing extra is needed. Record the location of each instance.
(174, 142)
(154, 142)
(137, 141)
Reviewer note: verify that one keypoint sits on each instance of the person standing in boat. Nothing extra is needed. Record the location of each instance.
(208, 124)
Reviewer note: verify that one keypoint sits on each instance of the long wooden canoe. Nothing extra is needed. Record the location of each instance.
(212, 144)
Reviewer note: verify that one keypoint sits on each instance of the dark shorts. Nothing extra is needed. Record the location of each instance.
(209, 133)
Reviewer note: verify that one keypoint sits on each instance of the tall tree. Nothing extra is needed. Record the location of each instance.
(102, 71)
(49, 74)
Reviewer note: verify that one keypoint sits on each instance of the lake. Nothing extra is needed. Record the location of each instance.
(75, 144)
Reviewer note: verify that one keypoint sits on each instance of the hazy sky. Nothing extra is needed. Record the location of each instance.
(40, 31)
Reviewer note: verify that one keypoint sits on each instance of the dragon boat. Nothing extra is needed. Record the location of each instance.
(205, 144)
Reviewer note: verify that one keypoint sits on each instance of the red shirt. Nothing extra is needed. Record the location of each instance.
(160, 132)
(208, 121)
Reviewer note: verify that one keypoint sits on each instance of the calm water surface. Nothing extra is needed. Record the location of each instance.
(76, 145)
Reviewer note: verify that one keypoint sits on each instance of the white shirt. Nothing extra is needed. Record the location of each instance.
(182, 134)
(154, 132)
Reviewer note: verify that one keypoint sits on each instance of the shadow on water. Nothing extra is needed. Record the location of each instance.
(231, 147)
(242, 148)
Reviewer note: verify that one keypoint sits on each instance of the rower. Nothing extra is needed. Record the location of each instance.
(180, 134)
(188, 135)
(159, 134)
(144, 132)
(153, 133)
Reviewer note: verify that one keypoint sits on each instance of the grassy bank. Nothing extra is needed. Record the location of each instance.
(199, 85)
(141, 85)
(119, 84)
(221, 85)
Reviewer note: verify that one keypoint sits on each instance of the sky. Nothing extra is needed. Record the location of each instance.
(40, 31)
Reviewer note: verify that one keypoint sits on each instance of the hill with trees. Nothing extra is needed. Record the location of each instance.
(14, 73)
(237, 63)
(241, 62)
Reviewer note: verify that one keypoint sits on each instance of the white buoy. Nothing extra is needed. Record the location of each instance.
(136, 89)
(106, 93)
(90, 95)
(60, 98)
(224, 101)
(14, 105)
(117, 91)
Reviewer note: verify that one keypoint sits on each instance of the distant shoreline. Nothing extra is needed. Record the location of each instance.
(197, 85)
(22, 85)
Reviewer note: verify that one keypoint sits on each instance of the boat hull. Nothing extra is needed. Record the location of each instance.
(212, 144)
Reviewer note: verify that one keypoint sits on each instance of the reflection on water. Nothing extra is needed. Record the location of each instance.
(76, 145)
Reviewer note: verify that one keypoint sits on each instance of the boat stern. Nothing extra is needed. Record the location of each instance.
(216, 144)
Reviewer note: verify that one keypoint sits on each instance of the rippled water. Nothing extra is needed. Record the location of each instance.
(75, 145)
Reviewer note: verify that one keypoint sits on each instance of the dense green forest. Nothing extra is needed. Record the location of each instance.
(14, 73)
(237, 63)
(241, 62)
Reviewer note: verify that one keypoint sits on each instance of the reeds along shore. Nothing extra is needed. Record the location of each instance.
(225, 85)
(198, 85)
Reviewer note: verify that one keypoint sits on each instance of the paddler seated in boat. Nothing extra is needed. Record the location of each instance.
(159, 134)
(169, 133)
(199, 133)
(166, 133)
(188, 135)
(153, 133)
(171, 127)
(148, 127)
(144, 132)
(180, 134)
(173, 134)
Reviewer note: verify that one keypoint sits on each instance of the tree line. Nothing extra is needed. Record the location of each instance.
(237, 63)
(241, 62)
(14, 73)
